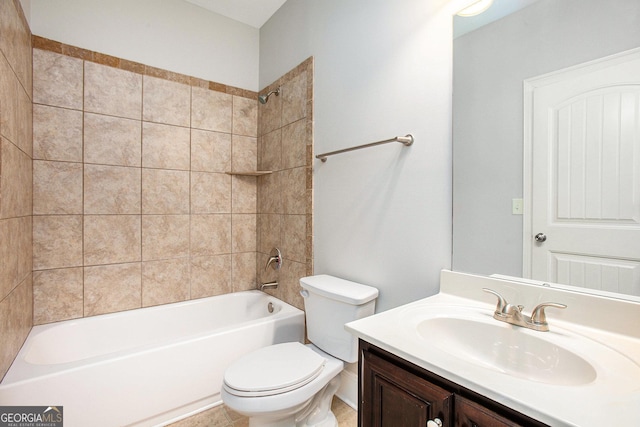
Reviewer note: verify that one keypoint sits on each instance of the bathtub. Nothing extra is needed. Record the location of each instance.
(145, 367)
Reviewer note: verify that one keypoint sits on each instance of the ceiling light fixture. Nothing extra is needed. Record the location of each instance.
(476, 8)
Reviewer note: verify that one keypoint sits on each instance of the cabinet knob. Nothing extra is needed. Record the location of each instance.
(434, 423)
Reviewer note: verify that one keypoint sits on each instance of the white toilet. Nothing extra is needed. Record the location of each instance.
(293, 384)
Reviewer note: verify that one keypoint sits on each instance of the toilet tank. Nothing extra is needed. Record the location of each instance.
(330, 303)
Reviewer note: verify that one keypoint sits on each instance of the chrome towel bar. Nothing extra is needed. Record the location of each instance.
(405, 140)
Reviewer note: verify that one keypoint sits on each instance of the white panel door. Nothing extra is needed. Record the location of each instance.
(585, 176)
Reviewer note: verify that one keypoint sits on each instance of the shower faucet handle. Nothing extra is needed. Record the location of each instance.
(275, 259)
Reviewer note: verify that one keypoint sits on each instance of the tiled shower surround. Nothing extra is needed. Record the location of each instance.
(114, 192)
(285, 197)
(133, 206)
(15, 182)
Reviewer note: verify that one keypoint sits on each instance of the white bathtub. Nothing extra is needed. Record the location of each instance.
(144, 367)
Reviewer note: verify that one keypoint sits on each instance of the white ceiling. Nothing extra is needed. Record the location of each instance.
(250, 12)
(499, 9)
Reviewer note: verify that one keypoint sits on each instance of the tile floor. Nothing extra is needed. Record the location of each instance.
(222, 416)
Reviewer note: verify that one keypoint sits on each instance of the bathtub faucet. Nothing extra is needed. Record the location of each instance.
(268, 285)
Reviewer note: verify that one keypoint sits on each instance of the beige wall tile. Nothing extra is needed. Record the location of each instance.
(285, 198)
(210, 275)
(270, 115)
(294, 144)
(112, 288)
(244, 153)
(210, 234)
(57, 134)
(25, 123)
(270, 193)
(294, 198)
(57, 241)
(16, 184)
(57, 80)
(245, 116)
(165, 147)
(8, 255)
(15, 42)
(9, 93)
(57, 188)
(112, 91)
(16, 316)
(210, 193)
(294, 99)
(244, 196)
(269, 229)
(243, 271)
(165, 281)
(165, 191)
(112, 140)
(270, 151)
(16, 111)
(165, 236)
(110, 239)
(210, 151)
(294, 235)
(25, 246)
(194, 216)
(290, 275)
(16, 252)
(165, 101)
(211, 110)
(243, 233)
(111, 189)
(57, 295)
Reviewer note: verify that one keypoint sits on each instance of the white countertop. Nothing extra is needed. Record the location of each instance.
(603, 331)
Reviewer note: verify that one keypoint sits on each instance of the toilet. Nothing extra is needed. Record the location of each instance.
(292, 384)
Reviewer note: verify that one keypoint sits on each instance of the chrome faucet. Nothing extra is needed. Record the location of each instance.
(268, 285)
(512, 314)
(275, 259)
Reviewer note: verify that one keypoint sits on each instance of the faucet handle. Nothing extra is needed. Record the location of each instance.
(275, 259)
(502, 303)
(538, 316)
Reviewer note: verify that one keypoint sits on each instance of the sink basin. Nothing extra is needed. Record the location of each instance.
(509, 349)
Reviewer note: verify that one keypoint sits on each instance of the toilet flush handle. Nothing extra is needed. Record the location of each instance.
(304, 293)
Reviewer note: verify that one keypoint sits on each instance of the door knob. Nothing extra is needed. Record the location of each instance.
(434, 423)
(540, 237)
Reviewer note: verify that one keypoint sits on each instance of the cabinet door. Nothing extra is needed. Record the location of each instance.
(470, 414)
(394, 397)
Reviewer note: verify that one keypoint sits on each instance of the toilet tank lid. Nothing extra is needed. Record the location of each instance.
(339, 289)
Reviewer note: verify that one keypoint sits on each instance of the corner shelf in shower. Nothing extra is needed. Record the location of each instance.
(249, 173)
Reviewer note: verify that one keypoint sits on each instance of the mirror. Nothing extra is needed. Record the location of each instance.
(490, 65)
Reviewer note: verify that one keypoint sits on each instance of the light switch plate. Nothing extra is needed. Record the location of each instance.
(517, 206)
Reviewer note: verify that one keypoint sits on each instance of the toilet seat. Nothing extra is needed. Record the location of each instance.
(273, 370)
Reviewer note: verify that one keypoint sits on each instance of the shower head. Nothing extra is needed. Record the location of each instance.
(264, 98)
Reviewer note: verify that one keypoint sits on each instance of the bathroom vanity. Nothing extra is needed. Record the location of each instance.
(448, 359)
(395, 392)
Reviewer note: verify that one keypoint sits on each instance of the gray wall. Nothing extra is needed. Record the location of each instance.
(490, 65)
(382, 216)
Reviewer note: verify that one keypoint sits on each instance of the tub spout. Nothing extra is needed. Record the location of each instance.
(268, 285)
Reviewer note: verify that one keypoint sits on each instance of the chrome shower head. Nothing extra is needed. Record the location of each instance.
(264, 98)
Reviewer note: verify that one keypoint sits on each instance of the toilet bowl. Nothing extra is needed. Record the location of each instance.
(274, 385)
(292, 384)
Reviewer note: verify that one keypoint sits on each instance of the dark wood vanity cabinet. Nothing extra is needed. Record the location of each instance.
(397, 393)
(393, 397)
